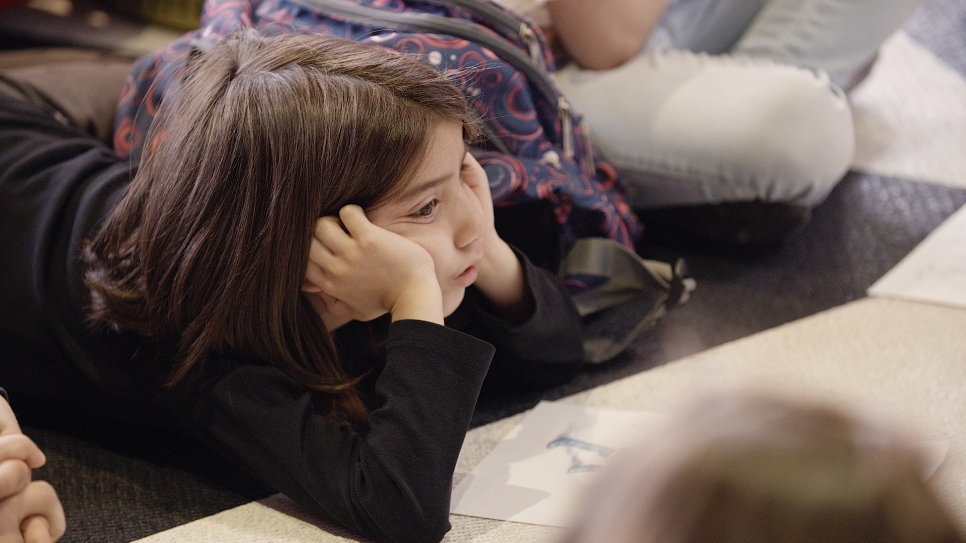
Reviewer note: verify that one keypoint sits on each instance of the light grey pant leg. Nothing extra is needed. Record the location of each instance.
(688, 129)
(717, 109)
(704, 26)
(838, 36)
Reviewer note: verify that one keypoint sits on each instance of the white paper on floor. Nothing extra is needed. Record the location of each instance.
(935, 271)
(910, 116)
(536, 473)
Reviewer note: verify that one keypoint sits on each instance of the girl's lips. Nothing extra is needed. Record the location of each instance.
(467, 278)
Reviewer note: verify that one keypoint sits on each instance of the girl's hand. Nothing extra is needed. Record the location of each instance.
(34, 515)
(362, 272)
(475, 178)
(18, 455)
(500, 276)
(29, 511)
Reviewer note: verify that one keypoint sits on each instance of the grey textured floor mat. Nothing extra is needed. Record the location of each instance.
(941, 27)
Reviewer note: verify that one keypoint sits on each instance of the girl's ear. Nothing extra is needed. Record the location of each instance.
(310, 287)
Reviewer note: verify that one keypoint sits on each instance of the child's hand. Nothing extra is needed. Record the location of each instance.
(500, 276)
(33, 515)
(29, 511)
(18, 454)
(363, 271)
(474, 177)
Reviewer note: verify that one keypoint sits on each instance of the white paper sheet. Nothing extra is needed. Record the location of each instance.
(537, 471)
(935, 271)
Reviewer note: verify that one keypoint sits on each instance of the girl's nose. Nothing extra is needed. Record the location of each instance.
(470, 223)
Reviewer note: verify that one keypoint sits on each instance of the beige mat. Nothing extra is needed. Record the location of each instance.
(910, 116)
(906, 358)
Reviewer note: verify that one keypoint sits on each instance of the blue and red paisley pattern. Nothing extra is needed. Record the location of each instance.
(523, 118)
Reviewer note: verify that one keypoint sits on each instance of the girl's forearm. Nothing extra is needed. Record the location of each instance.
(501, 281)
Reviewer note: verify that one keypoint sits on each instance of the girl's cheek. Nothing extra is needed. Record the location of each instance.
(423, 240)
(408, 232)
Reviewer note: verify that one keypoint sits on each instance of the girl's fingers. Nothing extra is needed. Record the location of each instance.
(8, 421)
(328, 300)
(313, 279)
(14, 477)
(354, 219)
(330, 233)
(319, 224)
(36, 529)
(337, 307)
(474, 175)
(41, 499)
(475, 178)
(21, 447)
(319, 254)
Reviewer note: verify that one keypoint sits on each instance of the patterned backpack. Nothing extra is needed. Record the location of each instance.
(536, 149)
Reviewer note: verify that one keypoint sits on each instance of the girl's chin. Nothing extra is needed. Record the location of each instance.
(452, 300)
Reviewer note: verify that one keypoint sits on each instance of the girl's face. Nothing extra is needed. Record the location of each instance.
(440, 212)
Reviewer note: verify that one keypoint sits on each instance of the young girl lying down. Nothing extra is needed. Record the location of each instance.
(277, 274)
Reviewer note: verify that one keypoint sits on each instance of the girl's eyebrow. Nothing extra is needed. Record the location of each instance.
(414, 191)
(435, 182)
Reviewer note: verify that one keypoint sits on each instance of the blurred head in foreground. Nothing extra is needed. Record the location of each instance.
(753, 468)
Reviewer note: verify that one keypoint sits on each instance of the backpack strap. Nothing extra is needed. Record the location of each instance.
(603, 274)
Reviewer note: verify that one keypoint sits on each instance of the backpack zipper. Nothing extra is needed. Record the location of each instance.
(566, 126)
(530, 39)
(589, 167)
(509, 24)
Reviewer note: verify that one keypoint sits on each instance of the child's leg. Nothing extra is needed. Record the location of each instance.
(703, 26)
(690, 129)
(840, 37)
(79, 87)
(737, 123)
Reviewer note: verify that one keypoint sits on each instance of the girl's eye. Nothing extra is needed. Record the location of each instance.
(427, 210)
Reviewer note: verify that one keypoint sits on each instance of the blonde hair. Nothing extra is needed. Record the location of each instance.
(754, 468)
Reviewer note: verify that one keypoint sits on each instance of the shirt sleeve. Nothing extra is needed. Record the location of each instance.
(545, 349)
(393, 482)
(56, 186)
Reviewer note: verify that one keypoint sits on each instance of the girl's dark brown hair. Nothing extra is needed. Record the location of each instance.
(210, 245)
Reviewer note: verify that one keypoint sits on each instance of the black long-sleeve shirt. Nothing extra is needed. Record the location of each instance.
(389, 481)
